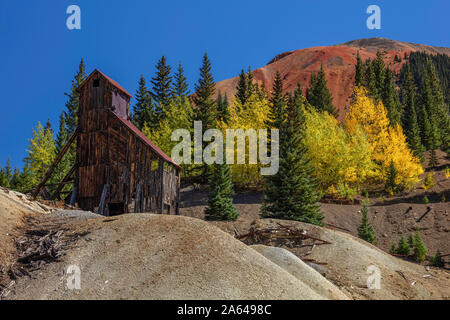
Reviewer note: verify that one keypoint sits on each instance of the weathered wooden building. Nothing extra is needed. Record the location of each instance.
(117, 169)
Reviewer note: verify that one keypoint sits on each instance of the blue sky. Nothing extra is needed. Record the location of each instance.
(124, 39)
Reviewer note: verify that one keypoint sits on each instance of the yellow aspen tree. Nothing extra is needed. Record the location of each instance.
(388, 144)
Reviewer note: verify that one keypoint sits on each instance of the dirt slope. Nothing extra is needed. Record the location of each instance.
(14, 209)
(338, 62)
(160, 257)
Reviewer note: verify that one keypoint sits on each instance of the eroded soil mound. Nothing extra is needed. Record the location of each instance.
(144, 256)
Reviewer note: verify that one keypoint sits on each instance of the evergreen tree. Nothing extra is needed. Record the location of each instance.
(403, 247)
(206, 107)
(411, 240)
(144, 110)
(73, 102)
(6, 175)
(371, 81)
(365, 230)
(420, 250)
(220, 201)
(391, 99)
(439, 108)
(242, 88)
(318, 94)
(393, 248)
(223, 114)
(67, 160)
(391, 184)
(359, 77)
(409, 119)
(380, 72)
(180, 85)
(431, 135)
(437, 261)
(292, 192)
(251, 87)
(162, 88)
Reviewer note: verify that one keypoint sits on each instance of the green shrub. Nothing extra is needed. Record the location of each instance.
(365, 230)
(437, 261)
(403, 247)
(420, 250)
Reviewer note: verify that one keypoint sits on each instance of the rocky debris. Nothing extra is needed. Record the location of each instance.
(301, 271)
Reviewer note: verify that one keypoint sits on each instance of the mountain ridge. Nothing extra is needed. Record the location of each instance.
(338, 62)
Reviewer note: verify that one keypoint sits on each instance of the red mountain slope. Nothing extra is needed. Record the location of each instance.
(338, 62)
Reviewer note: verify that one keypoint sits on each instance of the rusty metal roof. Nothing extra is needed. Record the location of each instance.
(146, 140)
(114, 83)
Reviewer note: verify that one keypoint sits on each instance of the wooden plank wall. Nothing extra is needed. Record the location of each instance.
(110, 154)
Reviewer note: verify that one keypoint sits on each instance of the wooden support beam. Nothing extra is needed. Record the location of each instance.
(73, 196)
(101, 206)
(161, 175)
(138, 199)
(177, 198)
(54, 164)
(64, 181)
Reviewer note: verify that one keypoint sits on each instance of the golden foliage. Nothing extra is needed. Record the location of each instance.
(252, 115)
(342, 161)
(387, 143)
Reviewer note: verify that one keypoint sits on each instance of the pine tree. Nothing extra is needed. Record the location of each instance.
(409, 119)
(380, 72)
(411, 240)
(391, 185)
(393, 249)
(440, 109)
(242, 88)
(206, 107)
(292, 192)
(67, 160)
(318, 94)
(359, 77)
(437, 261)
(6, 175)
(420, 250)
(223, 114)
(180, 85)
(365, 230)
(162, 82)
(277, 101)
(403, 247)
(162, 88)
(391, 99)
(431, 134)
(73, 102)
(371, 81)
(144, 110)
(220, 201)
(251, 87)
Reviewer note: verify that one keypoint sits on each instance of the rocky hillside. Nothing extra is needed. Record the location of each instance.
(338, 62)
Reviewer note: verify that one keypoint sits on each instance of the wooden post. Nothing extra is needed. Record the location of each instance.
(54, 164)
(161, 174)
(177, 198)
(73, 197)
(101, 206)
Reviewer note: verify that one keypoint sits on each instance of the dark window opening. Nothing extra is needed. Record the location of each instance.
(116, 208)
(96, 83)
